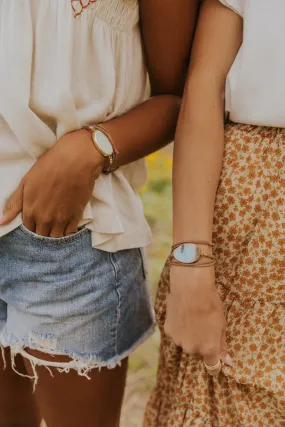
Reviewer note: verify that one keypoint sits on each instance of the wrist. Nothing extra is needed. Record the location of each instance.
(196, 225)
(95, 157)
(104, 144)
(192, 280)
(77, 148)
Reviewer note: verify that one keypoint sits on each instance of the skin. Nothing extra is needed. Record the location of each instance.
(17, 405)
(68, 183)
(195, 318)
(71, 400)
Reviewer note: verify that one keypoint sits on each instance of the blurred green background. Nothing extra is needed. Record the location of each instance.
(158, 209)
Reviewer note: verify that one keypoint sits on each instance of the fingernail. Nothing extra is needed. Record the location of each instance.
(228, 361)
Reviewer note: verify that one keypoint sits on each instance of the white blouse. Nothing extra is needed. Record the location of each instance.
(63, 66)
(255, 91)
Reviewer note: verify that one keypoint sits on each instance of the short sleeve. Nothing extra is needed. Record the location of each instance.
(236, 5)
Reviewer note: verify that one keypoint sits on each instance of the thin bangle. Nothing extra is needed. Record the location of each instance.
(113, 157)
(110, 168)
(193, 264)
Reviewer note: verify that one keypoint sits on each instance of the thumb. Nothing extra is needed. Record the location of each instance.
(13, 206)
(224, 350)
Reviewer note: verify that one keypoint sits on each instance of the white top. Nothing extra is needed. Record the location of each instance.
(59, 72)
(255, 90)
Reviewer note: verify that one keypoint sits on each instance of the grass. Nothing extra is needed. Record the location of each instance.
(158, 209)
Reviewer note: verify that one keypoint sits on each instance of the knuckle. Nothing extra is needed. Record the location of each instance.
(209, 350)
(45, 220)
(61, 219)
(10, 202)
(28, 213)
(8, 206)
(189, 349)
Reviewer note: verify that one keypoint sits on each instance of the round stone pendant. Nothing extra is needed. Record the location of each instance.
(187, 253)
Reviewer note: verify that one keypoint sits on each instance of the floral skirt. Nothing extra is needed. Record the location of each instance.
(249, 237)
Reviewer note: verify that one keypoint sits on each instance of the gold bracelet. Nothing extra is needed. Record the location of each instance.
(195, 242)
(193, 264)
(112, 158)
(110, 168)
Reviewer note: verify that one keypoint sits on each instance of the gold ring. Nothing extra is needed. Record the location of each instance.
(214, 368)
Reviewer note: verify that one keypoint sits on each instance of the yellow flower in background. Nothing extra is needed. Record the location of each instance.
(168, 162)
(152, 158)
(159, 160)
(159, 171)
(144, 189)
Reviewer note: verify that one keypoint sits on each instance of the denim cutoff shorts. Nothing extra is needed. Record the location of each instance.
(63, 297)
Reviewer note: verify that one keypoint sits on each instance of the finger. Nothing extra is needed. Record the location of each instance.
(211, 359)
(14, 206)
(71, 228)
(57, 230)
(29, 223)
(43, 229)
(212, 362)
(214, 370)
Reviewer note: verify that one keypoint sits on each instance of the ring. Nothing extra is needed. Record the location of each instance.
(212, 369)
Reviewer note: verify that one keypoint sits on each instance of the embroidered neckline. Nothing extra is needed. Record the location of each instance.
(78, 6)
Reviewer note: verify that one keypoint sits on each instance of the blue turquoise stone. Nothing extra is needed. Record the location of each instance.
(186, 253)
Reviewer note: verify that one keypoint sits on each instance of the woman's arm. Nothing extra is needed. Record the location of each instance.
(65, 175)
(195, 317)
(144, 129)
(167, 31)
(199, 141)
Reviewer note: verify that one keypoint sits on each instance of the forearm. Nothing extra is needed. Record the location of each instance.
(199, 141)
(144, 129)
(167, 33)
(198, 156)
(194, 318)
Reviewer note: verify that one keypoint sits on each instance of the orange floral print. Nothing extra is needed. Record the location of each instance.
(249, 237)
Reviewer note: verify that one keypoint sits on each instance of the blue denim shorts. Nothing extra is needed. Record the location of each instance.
(63, 297)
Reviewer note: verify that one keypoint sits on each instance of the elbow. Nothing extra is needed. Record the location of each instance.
(166, 91)
(174, 86)
(171, 103)
(174, 103)
(175, 100)
(206, 83)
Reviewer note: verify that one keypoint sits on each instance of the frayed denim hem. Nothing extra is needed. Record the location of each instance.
(81, 363)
